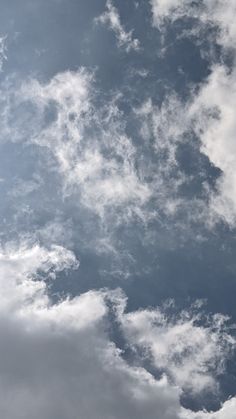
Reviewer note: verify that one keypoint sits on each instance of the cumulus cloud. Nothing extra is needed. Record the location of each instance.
(111, 18)
(57, 359)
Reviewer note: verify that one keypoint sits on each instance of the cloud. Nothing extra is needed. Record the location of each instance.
(209, 13)
(227, 411)
(168, 9)
(3, 49)
(214, 111)
(57, 359)
(109, 177)
(191, 355)
(163, 129)
(105, 172)
(208, 118)
(210, 111)
(111, 18)
(86, 144)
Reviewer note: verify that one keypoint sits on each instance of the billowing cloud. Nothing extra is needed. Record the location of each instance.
(57, 359)
(111, 18)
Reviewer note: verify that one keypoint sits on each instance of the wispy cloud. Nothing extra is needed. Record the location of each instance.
(191, 355)
(95, 157)
(111, 18)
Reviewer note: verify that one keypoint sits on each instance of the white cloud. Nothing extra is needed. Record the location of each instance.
(57, 360)
(111, 18)
(213, 109)
(209, 13)
(177, 345)
(18, 266)
(168, 9)
(94, 156)
(163, 128)
(210, 112)
(102, 170)
(227, 411)
(100, 165)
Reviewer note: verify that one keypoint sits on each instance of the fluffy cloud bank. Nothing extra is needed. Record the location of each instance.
(57, 359)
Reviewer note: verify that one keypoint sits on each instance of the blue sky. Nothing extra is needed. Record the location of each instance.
(118, 209)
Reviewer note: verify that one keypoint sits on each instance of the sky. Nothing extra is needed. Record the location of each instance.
(117, 209)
